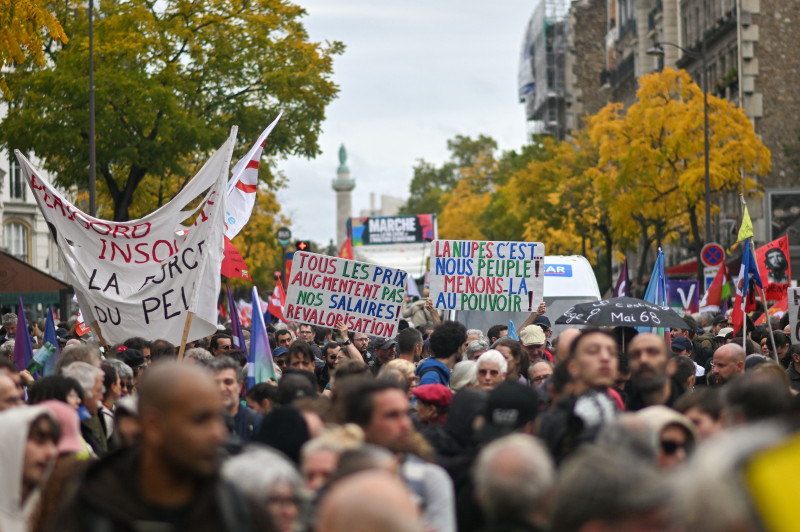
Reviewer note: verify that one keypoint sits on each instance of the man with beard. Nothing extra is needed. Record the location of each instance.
(728, 364)
(170, 481)
(651, 372)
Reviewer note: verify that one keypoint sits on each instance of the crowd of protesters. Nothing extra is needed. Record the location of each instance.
(439, 429)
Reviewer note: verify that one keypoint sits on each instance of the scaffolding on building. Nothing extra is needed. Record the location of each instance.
(544, 56)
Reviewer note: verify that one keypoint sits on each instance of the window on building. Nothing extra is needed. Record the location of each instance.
(17, 186)
(15, 240)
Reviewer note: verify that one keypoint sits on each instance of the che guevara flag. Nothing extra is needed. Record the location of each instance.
(775, 268)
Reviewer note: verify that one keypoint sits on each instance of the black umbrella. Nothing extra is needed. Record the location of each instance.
(622, 312)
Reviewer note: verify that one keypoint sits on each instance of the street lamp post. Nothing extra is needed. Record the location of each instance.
(658, 50)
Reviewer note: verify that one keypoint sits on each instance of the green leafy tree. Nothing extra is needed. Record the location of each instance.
(171, 79)
(430, 182)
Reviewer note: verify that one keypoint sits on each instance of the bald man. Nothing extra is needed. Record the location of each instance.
(366, 502)
(170, 481)
(728, 363)
(565, 340)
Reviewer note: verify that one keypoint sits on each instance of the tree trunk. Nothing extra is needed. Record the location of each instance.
(698, 243)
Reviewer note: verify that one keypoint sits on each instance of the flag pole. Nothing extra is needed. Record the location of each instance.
(186, 327)
(771, 335)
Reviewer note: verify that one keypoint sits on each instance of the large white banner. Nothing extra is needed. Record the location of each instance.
(325, 290)
(487, 276)
(142, 277)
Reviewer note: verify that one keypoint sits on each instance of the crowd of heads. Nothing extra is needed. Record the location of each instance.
(439, 428)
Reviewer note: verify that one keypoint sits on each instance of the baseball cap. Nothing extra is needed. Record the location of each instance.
(681, 344)
(532, 335)
(435, 394)
(510, 406)
(132, 357)
(279, 352)
(723, 333)
(719, 318)
(383, 343)
(543, 321)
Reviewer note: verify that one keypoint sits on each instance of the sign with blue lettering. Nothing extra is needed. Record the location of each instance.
(558, 270)
(489, 276)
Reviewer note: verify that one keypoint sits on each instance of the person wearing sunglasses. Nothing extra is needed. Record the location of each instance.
(220, 344)
(676, 434)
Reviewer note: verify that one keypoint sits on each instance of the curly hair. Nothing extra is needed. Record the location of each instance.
(447, 339)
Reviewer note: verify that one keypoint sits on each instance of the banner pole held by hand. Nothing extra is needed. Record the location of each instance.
(186, 327)
(96, 328)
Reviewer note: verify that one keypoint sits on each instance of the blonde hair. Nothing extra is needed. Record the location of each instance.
(336, 439)
(404, 366)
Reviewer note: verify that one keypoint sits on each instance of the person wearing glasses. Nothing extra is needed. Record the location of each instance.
(220, 344)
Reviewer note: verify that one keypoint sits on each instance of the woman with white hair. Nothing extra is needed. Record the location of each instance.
(492, 369)
(268, 479)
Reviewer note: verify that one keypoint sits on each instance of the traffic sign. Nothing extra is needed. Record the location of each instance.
(284, 236)
(712, 255)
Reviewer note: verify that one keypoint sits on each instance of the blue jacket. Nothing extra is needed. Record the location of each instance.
(431, 371)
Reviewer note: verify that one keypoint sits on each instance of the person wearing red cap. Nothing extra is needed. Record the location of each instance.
(433, 401)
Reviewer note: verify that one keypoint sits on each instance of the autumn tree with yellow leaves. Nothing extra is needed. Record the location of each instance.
(651, 157)
(25, 26)
(629, 179)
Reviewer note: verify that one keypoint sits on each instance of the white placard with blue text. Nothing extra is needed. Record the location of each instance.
(487, 276)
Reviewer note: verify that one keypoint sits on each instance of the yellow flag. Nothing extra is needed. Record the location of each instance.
(746, 230)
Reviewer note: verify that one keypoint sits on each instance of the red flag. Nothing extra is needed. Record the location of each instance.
(778, 309)
(80, 327)
(774, 267)
(233, 266)
(346, 252)
(712, 299)
(277, 301)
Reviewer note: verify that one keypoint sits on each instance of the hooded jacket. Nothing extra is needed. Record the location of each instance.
(15, 425)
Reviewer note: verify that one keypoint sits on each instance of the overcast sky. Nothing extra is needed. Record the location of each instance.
(415, 74)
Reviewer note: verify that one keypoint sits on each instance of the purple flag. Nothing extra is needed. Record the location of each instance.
(623, 287)
(23, 349)
(236, 325)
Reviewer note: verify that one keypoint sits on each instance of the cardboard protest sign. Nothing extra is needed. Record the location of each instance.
(142, 277)
(683, 296)
(325, 290)
(774, 267)
(487, 276)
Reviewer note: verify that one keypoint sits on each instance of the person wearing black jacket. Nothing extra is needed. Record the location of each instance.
(170, 481)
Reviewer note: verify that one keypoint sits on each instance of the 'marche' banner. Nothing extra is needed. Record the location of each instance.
(325, 290)
(487, 276)
(142, 277)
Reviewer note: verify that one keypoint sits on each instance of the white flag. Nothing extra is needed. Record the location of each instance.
(243, 185)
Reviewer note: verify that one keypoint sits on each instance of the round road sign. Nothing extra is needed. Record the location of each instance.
(712, 255)
(284, 236)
